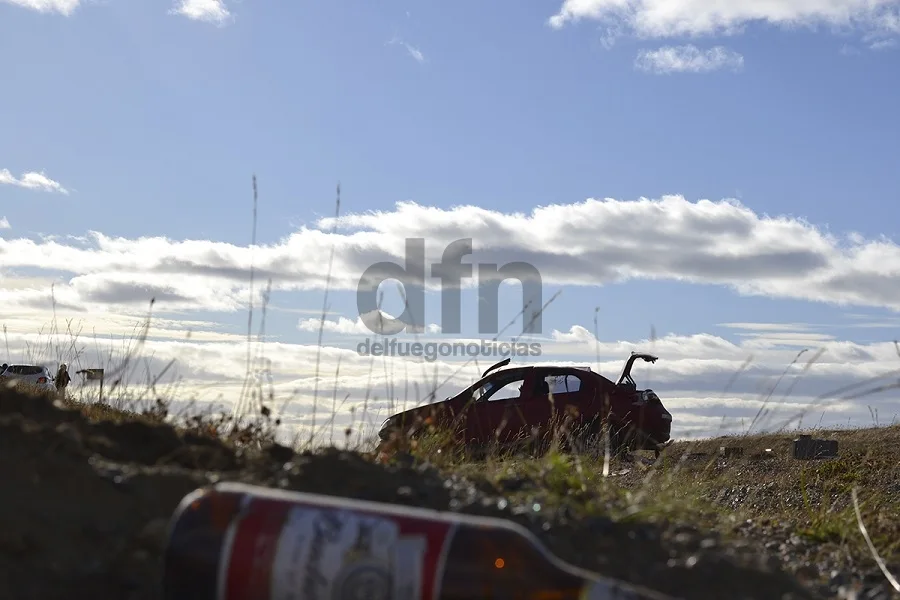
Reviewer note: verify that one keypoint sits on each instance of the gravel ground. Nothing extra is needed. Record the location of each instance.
(86, 505)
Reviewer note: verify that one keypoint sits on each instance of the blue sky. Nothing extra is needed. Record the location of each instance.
(149, 118)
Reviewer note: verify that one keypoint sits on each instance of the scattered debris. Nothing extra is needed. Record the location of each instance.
(764, 455)
(807, 448)
(638, 460)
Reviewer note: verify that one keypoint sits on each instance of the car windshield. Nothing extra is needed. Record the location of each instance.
(497, 380)
(482, 390)
(25, 370)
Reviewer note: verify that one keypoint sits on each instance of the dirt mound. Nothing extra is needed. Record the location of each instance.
(85, 506)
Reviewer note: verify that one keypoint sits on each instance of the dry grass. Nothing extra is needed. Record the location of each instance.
(763, 497)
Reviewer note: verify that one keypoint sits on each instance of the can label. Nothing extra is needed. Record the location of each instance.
(286, 551)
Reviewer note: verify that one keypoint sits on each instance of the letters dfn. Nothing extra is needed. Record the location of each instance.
(450, 271)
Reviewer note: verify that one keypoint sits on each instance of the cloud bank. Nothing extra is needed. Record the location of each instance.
(591, 243)
(712, 385)
(109, 281)
(671, 18)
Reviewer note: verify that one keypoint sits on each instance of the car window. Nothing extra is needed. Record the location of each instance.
(513, 389)
(500, 388)
(25, 370)
(562, 383)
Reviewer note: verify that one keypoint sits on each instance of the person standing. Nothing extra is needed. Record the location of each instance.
(62, 379)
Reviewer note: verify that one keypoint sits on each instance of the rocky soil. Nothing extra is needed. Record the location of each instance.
(85, 506)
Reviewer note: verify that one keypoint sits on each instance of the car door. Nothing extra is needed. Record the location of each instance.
(559, 391)
(495, 415)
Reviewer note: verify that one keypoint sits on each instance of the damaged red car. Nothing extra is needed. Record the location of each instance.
(516, 406)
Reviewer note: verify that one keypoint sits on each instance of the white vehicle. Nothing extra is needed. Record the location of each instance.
(36, 375)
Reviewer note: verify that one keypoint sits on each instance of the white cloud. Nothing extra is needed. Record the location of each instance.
(32, 181)
(671, 18)
(63, 7)
(345, 326)
(688, 59)
(591, 243)
(4, 223)
(577, 335)
(414, 52)
(883, 44)
(210, 11)
(342, 325)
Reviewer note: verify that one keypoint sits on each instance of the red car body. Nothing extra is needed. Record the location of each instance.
(507, 406)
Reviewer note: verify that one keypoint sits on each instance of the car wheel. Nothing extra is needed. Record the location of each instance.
(589, 440)
(621, 439)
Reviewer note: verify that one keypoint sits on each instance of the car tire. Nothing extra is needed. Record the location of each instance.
(621, 439)
(589, 440)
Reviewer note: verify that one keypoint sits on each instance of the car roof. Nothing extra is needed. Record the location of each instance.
(545, 367)
(20, 366)
(511, 367)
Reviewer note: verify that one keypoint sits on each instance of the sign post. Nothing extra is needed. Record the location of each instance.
(93, 375)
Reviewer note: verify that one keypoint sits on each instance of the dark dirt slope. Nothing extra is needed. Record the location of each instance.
(85, 505)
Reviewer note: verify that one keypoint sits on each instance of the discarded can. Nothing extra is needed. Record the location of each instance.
(233, 541)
